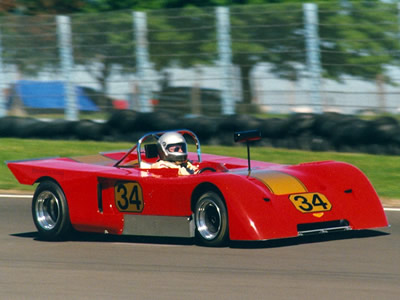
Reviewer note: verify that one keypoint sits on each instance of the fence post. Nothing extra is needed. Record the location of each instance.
(3, 109)
(398, 18)
(313, 53)
(225, 59)
(67, 65)
(142, 61)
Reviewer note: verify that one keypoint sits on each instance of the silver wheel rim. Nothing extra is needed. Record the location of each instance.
(208, 219)
(47, 210)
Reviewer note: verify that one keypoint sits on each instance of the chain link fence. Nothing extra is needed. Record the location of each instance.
(278, 58)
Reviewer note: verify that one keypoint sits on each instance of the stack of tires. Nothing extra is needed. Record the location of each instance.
(315, 132)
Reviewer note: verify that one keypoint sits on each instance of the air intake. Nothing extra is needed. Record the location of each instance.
(323, 227)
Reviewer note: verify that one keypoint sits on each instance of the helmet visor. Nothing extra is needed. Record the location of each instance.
(176, 148)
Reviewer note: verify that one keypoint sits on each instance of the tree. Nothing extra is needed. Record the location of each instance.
(187, 37)
(102, 43)
(29, 33)
(360, 39)
(7, 6)
(38, 7)
(272, 34)
(112, 5)
(29, 43)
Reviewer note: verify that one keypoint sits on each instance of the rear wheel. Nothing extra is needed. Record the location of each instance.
(211, 219)
(50, 211)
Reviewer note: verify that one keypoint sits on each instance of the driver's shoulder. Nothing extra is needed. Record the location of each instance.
(164, 164)
(145, 165)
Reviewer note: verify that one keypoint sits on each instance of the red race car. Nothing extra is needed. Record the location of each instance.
(221, 198)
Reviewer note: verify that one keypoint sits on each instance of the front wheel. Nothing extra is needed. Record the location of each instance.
(50, 211)
(211, 219)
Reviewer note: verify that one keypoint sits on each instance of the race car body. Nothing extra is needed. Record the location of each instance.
(118, 193)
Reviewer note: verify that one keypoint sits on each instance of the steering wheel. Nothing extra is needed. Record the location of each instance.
(207, 169)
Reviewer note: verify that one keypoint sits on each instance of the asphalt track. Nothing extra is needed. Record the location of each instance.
(351, 265)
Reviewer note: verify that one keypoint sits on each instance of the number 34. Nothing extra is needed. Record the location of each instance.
(128, 197)
(310, 202)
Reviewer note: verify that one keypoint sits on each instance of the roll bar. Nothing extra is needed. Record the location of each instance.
(156, 135)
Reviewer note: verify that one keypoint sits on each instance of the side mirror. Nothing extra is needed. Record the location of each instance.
(247, 136)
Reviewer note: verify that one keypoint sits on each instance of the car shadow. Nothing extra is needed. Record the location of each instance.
(110, 238)
(309, 239)
(286, 242)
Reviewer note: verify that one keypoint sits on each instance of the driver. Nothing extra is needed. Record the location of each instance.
(172, 149)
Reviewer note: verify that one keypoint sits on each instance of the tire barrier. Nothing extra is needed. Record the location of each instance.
(322, 132)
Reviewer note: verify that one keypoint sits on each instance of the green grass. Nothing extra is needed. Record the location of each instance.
(383, 171)
(81, 116)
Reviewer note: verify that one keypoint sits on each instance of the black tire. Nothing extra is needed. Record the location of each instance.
(50, 212)
(211, 220)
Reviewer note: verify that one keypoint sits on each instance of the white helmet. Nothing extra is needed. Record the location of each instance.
(172, 147)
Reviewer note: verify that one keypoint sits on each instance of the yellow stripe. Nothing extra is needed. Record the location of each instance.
(280, 183)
